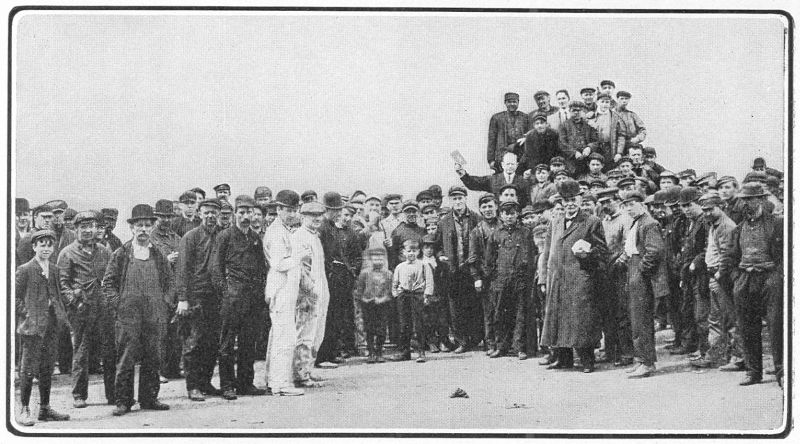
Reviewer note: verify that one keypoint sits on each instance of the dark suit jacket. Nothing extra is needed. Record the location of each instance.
(650, 244)
(447, 242)
(35, 294)
(493, 183)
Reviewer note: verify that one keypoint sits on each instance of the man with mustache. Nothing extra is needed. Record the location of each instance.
(238, 272)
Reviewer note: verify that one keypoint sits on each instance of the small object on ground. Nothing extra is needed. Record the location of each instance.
(459, 393)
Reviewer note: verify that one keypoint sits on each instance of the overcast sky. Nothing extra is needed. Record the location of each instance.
(114, 110)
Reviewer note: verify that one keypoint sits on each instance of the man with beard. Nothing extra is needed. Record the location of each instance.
(342, 263)
(82, 265)
(238, 271)
(644, 256)
(576, 138)
(633, 127)
(69, 219)
(725, 343)
(495, 182)
(641, 169)
(541, 143)
(506, 129)
(137, 285)
(223, 192)
(753, 261)
(479, 269)
(313, 296)
(693, 279)
(452, 241)
(110, 222)
(198, 303)
(577, 252)
(728, 187)
(614, 300)
(167, 242)
(189, 221)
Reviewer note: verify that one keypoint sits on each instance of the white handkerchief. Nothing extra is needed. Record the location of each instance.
(581, 246)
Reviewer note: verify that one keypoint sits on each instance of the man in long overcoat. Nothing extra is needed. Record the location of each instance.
(576, 251)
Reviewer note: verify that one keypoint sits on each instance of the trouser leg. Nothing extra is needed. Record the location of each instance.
(520, 310)
(360, 331)
(30, 365)
(700, 284)
(84, 323)
(128, 343)
(48, 349)
(151, 337)
(246, 350)
(748, 307)
(687, 314)
(717, 325)
(306, 318)
(488, 314)
(405, 312)
(107, 350)
(773, 295)
(641, 300)
(418, 320)
(230, 330)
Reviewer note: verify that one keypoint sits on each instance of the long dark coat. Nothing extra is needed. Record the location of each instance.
(572, 318)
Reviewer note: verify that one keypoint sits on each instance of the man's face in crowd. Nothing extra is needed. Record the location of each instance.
(394, 206)
(141, 230)
(411, 253)
(270, 217)
(686, 181)
(636, 156)
(225, 219)
(244, 215)
(666, 183)
(223, 194)
(635, 208)
(584, 188)
(44, 249)
(562, 99)
(603, 104)
(713, 213)
(100, 232)
(752, 206)
(425, 201)
(650, 159)
(727, 190)
(347, 216)
(69, 223)
(560, 178)
(691, 209)
(760, 168)
(58, 218)
(558, 209)
(595, 166)
(612, 181)
(508, 195)
(176, 208)
(209, 215)
(540, 126)
(23, 220)
(188, 208)
(372, 206)
(110, 223)
(572, 205)
(626, 167)
(359, 207)
(44, 220)
(257, 221)
(86, 230)
(588, 97)
(261, 201)
(608, 207)
(432, 229)
(411, 215)
(543, 101)
(509, 163)
(428, 213)
(437, 201)
(575, 113)
(508, 216)
(622, 102)
(556, 167)
(542, 176)
(458, 203)
(163, 222)
(588, 207)
(529, 219)
(661, 211)
(608, 89)
(488, 210)
(288, 215)
(313, 221)
(512, 105)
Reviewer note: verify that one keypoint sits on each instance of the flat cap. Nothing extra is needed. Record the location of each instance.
(603, 96)
(392, 196)
(649, 151)
(509, 186)
(626, 182)
(212, 202)
(689, 195)
(225, 206)
(759, 162)
(199, 191)
(527, 210)
(632, 195)
(710, 199)
(245, 201)
(541, 205)
(539, 116)
(624, 159)
(42, 234)
(333, 200)
(599, 183)
(755, 176)
(607, 82)
(509, 205)
(410, 204)
(597, 156)
(607, 194)
(542, 166)
(588, 89)
(70, 213)
(312, 208)
(561, 173)
(668, 174)
(372, 197)
(424, 195)
(109, 213)
(614, 173)
(487, 197)
(457, 190)
(428, 239)
(436, 191)
(511, 96)
(86, 215)
(222, 187)
(623, 94)
(430, 208)
(42, 208)
(557, 160)
(726, 179)
(577, 104)
(262, 191)
(706, 179)
(287, 198)
(687, 173)
(540, 93)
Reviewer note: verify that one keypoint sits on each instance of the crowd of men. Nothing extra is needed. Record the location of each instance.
(582, 247)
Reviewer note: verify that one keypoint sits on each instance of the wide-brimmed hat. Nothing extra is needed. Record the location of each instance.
(752, 189)
(140, 212)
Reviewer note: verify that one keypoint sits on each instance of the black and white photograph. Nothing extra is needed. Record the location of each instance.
(399, 220)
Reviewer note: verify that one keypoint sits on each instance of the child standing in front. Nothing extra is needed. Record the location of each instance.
(373, 290)
(435, 311)
(412, 286)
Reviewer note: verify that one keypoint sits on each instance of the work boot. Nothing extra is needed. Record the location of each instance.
(379, 356)
(444, 348)
(251, 390)
(635, 367)
(121, 409)
(460, 349)
(48, 414)
(289, 391)
(229, 394)
(433, 348)
(522, 356)
(79, 403)
(421, 357)
(700, 363)
(682, 350)
(642, 371)
(732, 366)
(496, 353)
(751, 379)
(25, 418)
(547, 360)
(155, 405)
(371, 358)
(196, 395)
(210, 390)
(401, 357)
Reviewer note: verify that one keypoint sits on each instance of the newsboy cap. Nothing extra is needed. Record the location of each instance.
(603, 96)
(588, 89)
(244, 201)
(212, 202)
(70, 213)
(457, 190)
(557, 160)
(410, 204)
(38, 235)
(262, 191)
(222, 187)
(487, 197)
(510, 96)
(629, 196)
(539, 116)
(623, 94)
(436, 191)
(710, 199)
(86, 215)
(540, 93)
(109, 213)
(540, 206)
(225, 206)
(607, 82)
(527, 210)
(687, 173)
(57, 205)
(424, 195)
(508, 206)
(312, 208)
(577, 104)
(607, 194)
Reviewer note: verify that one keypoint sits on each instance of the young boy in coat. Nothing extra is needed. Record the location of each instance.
(435, 311)
(42, 314)
(372, 291)
(412, 287)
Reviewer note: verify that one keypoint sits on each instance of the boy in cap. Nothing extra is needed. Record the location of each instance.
(372, 291)
(506, 129)
(728, 188)
(412, 286)
(40, 317)
(557, 164)
(542, 187)
(435, 311)
(576, 138)
(595, 163)
(137, 284)
(239, 271)
(69, 218)
(479, 268)
(541, 143)
(262, 195)
(667, 179)
(632, 126)
(509, 261)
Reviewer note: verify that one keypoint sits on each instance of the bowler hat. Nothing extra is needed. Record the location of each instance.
(139, 212)
(752, 189)
(86, 215)
(222, 187)
(541, 205)
(510, 96)
(42, 234)
(312, 208)
(759, 162)
(287, 198)
(568, 188)
(623, 94)
(21, 205)
(262, 191)
(163, 208)
(509, 205)
(244, 200)
(588, 89)
(689, 195)
(672, 196)
(213, 202)
(457, 190)
(333, 200)
(410, 204)
(660, 197)
(436, 191)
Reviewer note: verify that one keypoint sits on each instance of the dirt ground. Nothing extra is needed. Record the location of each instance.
(503, 394)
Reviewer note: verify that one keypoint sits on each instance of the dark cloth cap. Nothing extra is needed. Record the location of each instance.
(308, 194)
(541, 205)
(457, 190)
(614, 172)
(708, 178)
(428, 240)
(21, 205)
(577, 104)
(660, 197)
(687, 173)
(590, 197)
(188, 195)
(597, 156)
(602, 96)
(588, 89)
(710, 199)
(312, 208)
(213, 202)
(511, 96)
(773, 181)
(598, 182)
(358, 193)
(222, 186)
(607, 82)
(424, 195)
(583, 182)
(557, 160)
(287, 198)
(542, 166)
(561, 173)
(667, 173)
(625, 181)
(57, 205)
(507, 186)
(410, 204)
(632, 195)
(759, 162)
(70, 213)
(426, 207)
(392, 196)
(262, 192)
(86, 215)
(139, 212)
(649, 151)
(623, 94)
(540, 93)
(109, 213)
(244, 200)
(163, 208)
(607, 194)
(487, 197)
(333, 200)
(436, 191)
(689, 195)
(624, 159)
(508, 206)
(42, 234)
(199, 191)
(526, 211)
(226, 206)
(726, 179)
(568, 188)
(42, 208)
(752, 189)
(672, 196)
(539, 116)
(755, 176)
